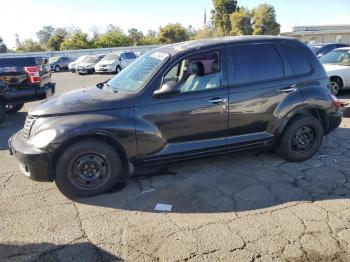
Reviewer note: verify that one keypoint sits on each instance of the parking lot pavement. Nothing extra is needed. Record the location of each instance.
(242, 207)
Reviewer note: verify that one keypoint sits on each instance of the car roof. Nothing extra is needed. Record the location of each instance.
(325, 44)
(343, 48)
(177, 48)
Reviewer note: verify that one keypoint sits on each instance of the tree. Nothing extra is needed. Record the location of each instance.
(173, 33)
(149, 39)
(113, 39)
(44, 34)
(264, 20)
(241, 22)
(135, 35)
(3, 47)
(77, 41)
(29, 45)
(221, 14)
(206, 32)
(54, 42)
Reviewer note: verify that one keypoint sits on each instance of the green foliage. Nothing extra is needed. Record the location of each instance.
(135, 35)
(54, 42)
(44, 34)
(78, 41)
(241, 22)
(221, 15)
(264, 20)
(3, 47)
(29, 45)
(204, 33)
(113, 39)
(173, 33)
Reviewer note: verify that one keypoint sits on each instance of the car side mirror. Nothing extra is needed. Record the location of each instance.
(169, 88)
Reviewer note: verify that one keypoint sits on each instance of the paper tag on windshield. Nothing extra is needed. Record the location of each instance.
(159, 55)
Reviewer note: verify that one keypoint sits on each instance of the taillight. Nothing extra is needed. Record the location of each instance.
(33, 74)
(336, 101)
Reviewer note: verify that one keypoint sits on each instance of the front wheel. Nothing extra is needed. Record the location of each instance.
(57, 69)
(88, 168)
(12, 109)
(336, 86)
(301, 140)
(118, 69)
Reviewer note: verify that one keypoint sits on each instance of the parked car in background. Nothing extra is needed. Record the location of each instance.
(324, 48)
(87, 66)
(72, 65)
(178, 102)
(58, 63)
(337, 65)
(115, 62)
(23, 79)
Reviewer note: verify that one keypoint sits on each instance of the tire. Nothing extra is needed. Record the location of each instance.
(57, 69)
(88, 168)
(12, 109)
(301, 139)
(118, 69)
(336, 86)
(2, 111)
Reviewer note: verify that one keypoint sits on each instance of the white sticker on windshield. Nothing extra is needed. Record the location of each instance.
(159, 55)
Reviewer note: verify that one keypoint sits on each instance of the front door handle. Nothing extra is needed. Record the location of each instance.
(290, 89)
(218, 101)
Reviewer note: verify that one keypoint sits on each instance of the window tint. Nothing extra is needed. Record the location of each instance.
(296, 59)
(256, 62)
(196, 73)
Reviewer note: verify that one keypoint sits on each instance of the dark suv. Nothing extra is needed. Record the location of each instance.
(23, 79)
(180, 102)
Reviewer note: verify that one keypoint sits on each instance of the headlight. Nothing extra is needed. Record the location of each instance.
(44, 138)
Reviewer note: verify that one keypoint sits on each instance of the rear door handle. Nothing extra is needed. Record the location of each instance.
(218, 100)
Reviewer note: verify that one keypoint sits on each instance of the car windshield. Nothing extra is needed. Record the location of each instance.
(110, 57)
(90, 59)
(337, 57)
(134, 77)
(315, 48)
(53, 59)
(82, 58)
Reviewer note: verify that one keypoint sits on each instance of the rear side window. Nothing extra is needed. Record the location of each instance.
(256, 62)
(296, 59)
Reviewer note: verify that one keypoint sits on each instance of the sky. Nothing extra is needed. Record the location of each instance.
(29, 16)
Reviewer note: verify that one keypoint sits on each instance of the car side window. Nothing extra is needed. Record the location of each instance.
(196, 73)
(296, 59)
(256, 62)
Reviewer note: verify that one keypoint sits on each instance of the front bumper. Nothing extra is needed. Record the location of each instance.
(34, 163)
(85, 71)
(104, 69)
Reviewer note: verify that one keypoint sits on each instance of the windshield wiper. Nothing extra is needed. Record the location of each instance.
(110, 88)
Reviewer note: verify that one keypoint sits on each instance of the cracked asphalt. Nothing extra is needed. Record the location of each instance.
(240, 207)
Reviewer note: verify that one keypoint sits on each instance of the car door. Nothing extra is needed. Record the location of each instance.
(258, 83)
(190, 123)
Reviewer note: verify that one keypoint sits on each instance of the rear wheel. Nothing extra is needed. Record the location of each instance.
(12, 109)
(2, 111)
(88, 168)
(336, 85)
(301, 140)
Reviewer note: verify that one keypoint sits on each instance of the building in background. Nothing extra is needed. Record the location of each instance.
(321, 34)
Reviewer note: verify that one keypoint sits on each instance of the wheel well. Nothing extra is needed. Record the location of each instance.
(111, 141)
(335, 78)
(319, 114)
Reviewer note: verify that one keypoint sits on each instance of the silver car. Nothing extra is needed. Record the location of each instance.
(115, 62)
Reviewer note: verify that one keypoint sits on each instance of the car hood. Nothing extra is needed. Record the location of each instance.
(334, 68)
(83, 100)
(86, 64)
(106, 62)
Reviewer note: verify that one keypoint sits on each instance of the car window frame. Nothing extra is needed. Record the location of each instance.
(222, 61)
(231, 77)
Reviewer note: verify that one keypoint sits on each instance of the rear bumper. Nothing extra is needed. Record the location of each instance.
(334, 120)
(34, 163)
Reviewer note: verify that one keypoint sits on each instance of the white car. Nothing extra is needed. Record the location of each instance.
(72, 66)
(337, 65)
(115, 62)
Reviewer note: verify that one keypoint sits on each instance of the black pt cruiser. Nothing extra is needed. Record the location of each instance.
(180, 102)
